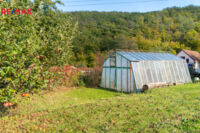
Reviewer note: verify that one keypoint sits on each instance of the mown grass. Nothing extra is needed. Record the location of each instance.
(59, 99)
(170, 109)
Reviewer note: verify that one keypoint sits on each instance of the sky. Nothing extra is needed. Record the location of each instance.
(123, 5)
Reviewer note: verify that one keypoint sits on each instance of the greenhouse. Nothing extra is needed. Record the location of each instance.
(135, 71)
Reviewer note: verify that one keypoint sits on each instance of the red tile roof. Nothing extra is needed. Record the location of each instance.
(193, 54)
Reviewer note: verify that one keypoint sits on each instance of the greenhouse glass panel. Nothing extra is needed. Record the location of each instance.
(133, 71)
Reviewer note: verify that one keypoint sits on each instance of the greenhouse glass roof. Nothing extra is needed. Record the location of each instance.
(139, 56)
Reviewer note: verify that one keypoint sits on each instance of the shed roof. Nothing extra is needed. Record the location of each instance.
(140, 56)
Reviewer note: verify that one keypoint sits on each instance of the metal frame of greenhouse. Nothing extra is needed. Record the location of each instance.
(131, 71)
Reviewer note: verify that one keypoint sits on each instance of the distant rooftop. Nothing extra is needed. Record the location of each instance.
(139, 56)
(193, 54)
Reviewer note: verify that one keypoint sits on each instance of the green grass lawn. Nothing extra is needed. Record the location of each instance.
(170, 109)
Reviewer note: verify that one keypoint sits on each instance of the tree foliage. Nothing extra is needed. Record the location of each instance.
(30, 45)
(169, 30)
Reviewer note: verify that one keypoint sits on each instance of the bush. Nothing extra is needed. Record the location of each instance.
(7, 95)
(76, 80)
(68, 76)
(30, 45)
(92, 79)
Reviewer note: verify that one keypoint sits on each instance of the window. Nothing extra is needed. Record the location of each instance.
(183, 57)
(112, 61)
(187, 60)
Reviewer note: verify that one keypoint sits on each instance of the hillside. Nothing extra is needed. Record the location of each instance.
(169, 30)
(170, 109)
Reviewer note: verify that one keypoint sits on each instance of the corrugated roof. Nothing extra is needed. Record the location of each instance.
(139, 56)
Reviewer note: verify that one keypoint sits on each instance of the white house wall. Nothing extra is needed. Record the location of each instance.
(182, 53)
(197, 67)
(191, 61)
(198, 70)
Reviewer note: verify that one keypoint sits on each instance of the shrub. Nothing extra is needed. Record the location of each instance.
(76, 80)
(7, 95)
(30, 45)
(68, 76)
(92, 78)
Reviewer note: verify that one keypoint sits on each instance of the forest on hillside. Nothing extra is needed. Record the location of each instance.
(169, 30)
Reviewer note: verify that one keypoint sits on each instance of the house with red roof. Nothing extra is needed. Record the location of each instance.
(192, 58)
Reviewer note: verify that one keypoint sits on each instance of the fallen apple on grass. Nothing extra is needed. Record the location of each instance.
(24, 94)
(7, 104)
